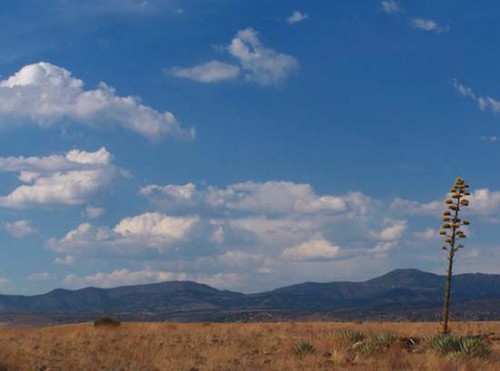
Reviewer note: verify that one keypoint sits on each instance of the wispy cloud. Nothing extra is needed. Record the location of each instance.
(20, 228)
(483, 201)
(484, 102)
(297, 17)
(428, 25)
(490, 138)
(114, 7)
(213, 71)
(256, 63)
(48, 95)
(66, 260)
(427, 234)
(93, 212)
(41, 277)
(391, 7)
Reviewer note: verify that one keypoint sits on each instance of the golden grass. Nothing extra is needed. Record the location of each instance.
(234, 346)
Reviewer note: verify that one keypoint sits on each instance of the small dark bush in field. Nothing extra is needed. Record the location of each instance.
(460, 348)
(303, 348)
(106, 321)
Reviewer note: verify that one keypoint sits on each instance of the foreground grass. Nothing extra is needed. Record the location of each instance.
(236, 346)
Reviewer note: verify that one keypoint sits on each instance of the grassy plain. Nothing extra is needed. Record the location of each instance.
(232, 346)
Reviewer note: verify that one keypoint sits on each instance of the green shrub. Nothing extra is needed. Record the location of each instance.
(303, 348)
(106, 321)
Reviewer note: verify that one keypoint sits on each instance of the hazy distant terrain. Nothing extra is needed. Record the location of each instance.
(399, 295)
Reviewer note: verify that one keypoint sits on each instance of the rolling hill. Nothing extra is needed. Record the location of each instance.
(403, 294)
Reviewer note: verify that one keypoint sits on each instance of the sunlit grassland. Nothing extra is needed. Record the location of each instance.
(232, 346)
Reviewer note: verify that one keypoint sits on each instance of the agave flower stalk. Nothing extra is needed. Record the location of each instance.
(452, 232)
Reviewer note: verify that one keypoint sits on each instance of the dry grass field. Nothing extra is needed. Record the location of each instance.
(235, 346)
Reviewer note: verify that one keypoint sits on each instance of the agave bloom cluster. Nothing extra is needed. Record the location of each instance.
(452, 224)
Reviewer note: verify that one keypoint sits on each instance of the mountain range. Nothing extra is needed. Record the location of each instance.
(404, 294)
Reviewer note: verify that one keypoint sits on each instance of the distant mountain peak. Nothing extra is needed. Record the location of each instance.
(408, 277)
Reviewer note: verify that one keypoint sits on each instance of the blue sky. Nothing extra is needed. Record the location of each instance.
(244, 144)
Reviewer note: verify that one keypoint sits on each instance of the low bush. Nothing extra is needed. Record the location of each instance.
(106, 321)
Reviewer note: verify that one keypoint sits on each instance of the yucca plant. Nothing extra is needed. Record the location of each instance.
(303, 348)
(444, 344)
(378, 343)
(460, 348)
(350, 336)
(474, 347)
(384, 340)
(453, 234)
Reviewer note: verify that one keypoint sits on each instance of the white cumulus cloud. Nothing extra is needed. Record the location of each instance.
(260, 64)
(49, 95)
(130, 236)
(155, 224)
(264, 197)
(257, 63)
(72, 179)
(393, 231)
(258, 231)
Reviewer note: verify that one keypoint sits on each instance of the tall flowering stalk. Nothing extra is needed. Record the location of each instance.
(453, 234)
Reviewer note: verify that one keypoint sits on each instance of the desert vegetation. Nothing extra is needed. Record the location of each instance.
(253, 346)
(453, 234)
